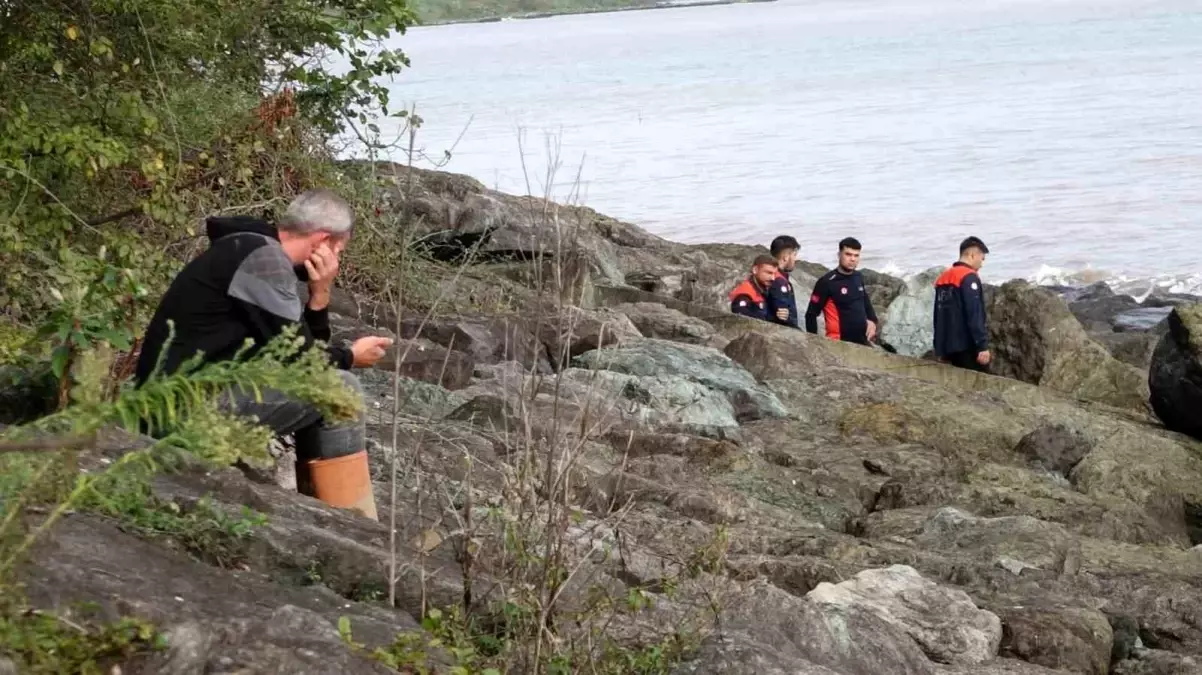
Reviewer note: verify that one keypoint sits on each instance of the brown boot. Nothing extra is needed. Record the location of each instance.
(342, 482)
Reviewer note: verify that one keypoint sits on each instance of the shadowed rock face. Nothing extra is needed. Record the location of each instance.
(1035, 338)
(1176, 373)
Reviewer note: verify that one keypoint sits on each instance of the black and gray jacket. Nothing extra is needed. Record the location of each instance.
(242, 287)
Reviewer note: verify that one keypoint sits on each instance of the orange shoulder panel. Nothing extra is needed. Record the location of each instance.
(954, 275)
(747, 288)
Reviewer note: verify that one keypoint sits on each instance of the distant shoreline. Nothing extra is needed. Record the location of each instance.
(662, 4)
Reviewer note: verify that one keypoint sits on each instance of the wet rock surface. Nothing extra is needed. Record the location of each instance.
(1176, 374)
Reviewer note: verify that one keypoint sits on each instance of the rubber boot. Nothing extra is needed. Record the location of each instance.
(342, 482)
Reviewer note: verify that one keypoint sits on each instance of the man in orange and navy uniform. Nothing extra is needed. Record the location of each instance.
(748, 298)
(840, 297)
(961, 335)
(780, 304)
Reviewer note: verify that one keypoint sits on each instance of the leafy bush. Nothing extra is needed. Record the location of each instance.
(130, 119)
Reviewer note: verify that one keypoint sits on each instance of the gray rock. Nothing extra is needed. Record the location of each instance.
(1158, 662)
(657, 321)
(1099, 306)
(488, 339)
(1055, 447)
(909, 322)
(1140, 319)
(1175, 377)
(417, 398)
(217, 621)
(577, 330)
(1075, 639)
(780, 354)
(659, 359)
(945, 623)
(768, 631)
(1035, 338)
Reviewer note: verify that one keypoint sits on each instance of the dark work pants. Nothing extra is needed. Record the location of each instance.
(966, 360)
(314, 438)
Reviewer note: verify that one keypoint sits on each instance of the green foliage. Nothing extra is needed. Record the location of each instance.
(476, 648)
(45, 644)
(128, 119)
(180, 408)
(203, 530)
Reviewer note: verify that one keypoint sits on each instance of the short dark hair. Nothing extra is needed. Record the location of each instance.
(971, 243)
(764, 259)
(850, 242)
(783, 243)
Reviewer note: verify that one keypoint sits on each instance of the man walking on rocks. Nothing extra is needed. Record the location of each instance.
(781, 305)
(244, 287)
(749, 298)
(961, 335)
(840, 297)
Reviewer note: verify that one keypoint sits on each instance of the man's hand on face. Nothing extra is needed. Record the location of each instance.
(369, 350)
(322, 267)
(871, 331)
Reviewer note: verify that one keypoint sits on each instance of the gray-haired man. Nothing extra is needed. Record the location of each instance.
(244, 287)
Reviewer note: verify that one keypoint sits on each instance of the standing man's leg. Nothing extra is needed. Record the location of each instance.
(331, 460)
(968, 361)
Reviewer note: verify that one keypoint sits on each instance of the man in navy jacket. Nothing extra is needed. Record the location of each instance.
(780, 303)
(961, 333)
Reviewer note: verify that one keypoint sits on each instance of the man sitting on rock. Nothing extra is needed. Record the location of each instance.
(245, 286)
(750, 296)
(840, 297)
(961, 335)
(780, 303)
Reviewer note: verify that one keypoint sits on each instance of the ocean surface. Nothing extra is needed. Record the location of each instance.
(1065, 133)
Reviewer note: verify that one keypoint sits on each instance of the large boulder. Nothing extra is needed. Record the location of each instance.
(486, 338)
(577, 330)
(663, 360)
(1175, 377)
(657, 321)
(909, 323)
(1056, 448)
(769, 632)
(214, 620)
(1035, 338)
(1075, 639)
(1097, 306)
(779, 354)
(945, 623)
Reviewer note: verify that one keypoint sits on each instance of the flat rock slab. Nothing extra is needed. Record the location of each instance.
(649, 358)
(220, 621)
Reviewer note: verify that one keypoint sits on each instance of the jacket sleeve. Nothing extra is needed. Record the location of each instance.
(776, 299)
(265, 326)
(817, 299)
(869, 311)
(972, 293)
(745, 306)
(263, 291)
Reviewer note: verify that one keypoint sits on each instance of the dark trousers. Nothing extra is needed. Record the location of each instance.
(966, 360)
(315, 439)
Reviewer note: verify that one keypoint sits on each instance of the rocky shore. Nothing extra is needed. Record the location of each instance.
(882, 513)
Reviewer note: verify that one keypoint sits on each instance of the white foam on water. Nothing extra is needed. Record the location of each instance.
(1138, 287)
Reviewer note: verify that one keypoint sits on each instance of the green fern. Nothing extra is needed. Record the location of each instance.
(181, 412)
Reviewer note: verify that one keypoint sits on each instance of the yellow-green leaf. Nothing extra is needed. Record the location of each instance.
(58, 68)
